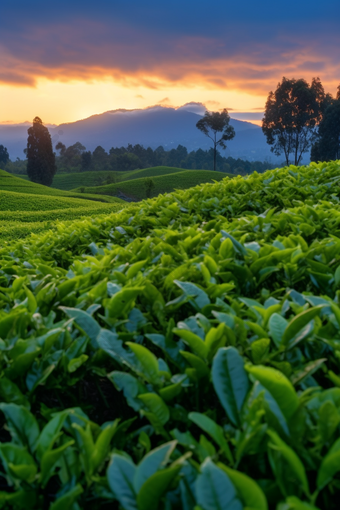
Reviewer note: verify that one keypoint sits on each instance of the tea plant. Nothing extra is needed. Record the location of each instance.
(182, 353)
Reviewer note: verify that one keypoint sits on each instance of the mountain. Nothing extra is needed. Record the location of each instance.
(150, 127)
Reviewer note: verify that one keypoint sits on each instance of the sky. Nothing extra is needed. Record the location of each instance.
(67, 60)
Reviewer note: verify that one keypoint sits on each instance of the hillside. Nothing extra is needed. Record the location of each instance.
(155, 171)
(28, 208)
(135, 187)
(9, 182)
(15, 201)
(70, 181)
(185, 349)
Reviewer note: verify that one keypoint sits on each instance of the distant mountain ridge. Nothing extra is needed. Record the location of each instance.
(150, 127)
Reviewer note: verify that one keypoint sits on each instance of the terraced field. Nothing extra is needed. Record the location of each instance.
(165, 183)
(28, 208)
(9, 182)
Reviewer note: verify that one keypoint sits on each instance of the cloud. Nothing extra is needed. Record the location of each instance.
(139, 96)
(139, 46)
(166, 101)
(194, 107)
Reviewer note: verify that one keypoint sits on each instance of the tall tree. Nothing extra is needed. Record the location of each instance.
(328, 145)
(40, 156)
(4, 156)
(213, 123)
(291, 116)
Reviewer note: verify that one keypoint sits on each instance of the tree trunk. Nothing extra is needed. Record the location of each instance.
(214, 156)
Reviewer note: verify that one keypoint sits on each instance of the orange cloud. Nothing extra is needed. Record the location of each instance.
(89, 52)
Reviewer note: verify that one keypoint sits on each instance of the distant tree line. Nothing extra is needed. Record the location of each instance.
(77, 159)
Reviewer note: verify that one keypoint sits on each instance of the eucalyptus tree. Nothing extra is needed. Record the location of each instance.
(328, 145)
(291, 117)
(215, 125)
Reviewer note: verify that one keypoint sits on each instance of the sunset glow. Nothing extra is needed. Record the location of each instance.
(65, 64)
(57, 102)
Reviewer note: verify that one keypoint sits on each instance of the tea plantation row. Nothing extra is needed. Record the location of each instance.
(180, 354)
(26, 207)
(12, 183)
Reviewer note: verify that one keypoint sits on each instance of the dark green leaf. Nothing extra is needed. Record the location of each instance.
(230, 381)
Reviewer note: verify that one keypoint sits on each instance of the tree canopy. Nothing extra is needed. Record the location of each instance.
(213, 123)
(40, 156)
(328, 145)
(291, 115)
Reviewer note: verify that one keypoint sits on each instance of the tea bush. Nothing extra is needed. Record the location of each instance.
(182, 353)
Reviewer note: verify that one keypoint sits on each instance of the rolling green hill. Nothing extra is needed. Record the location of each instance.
(93, 178)
(27, 208)
(154, 171)
(163, 183)
(9, 182)
(14, 201)
(70, 181)
(75, 180)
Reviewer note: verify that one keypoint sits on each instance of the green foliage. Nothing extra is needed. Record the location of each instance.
(328, 145)
(182, 353)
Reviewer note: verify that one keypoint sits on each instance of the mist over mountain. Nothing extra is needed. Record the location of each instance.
(150, 127)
